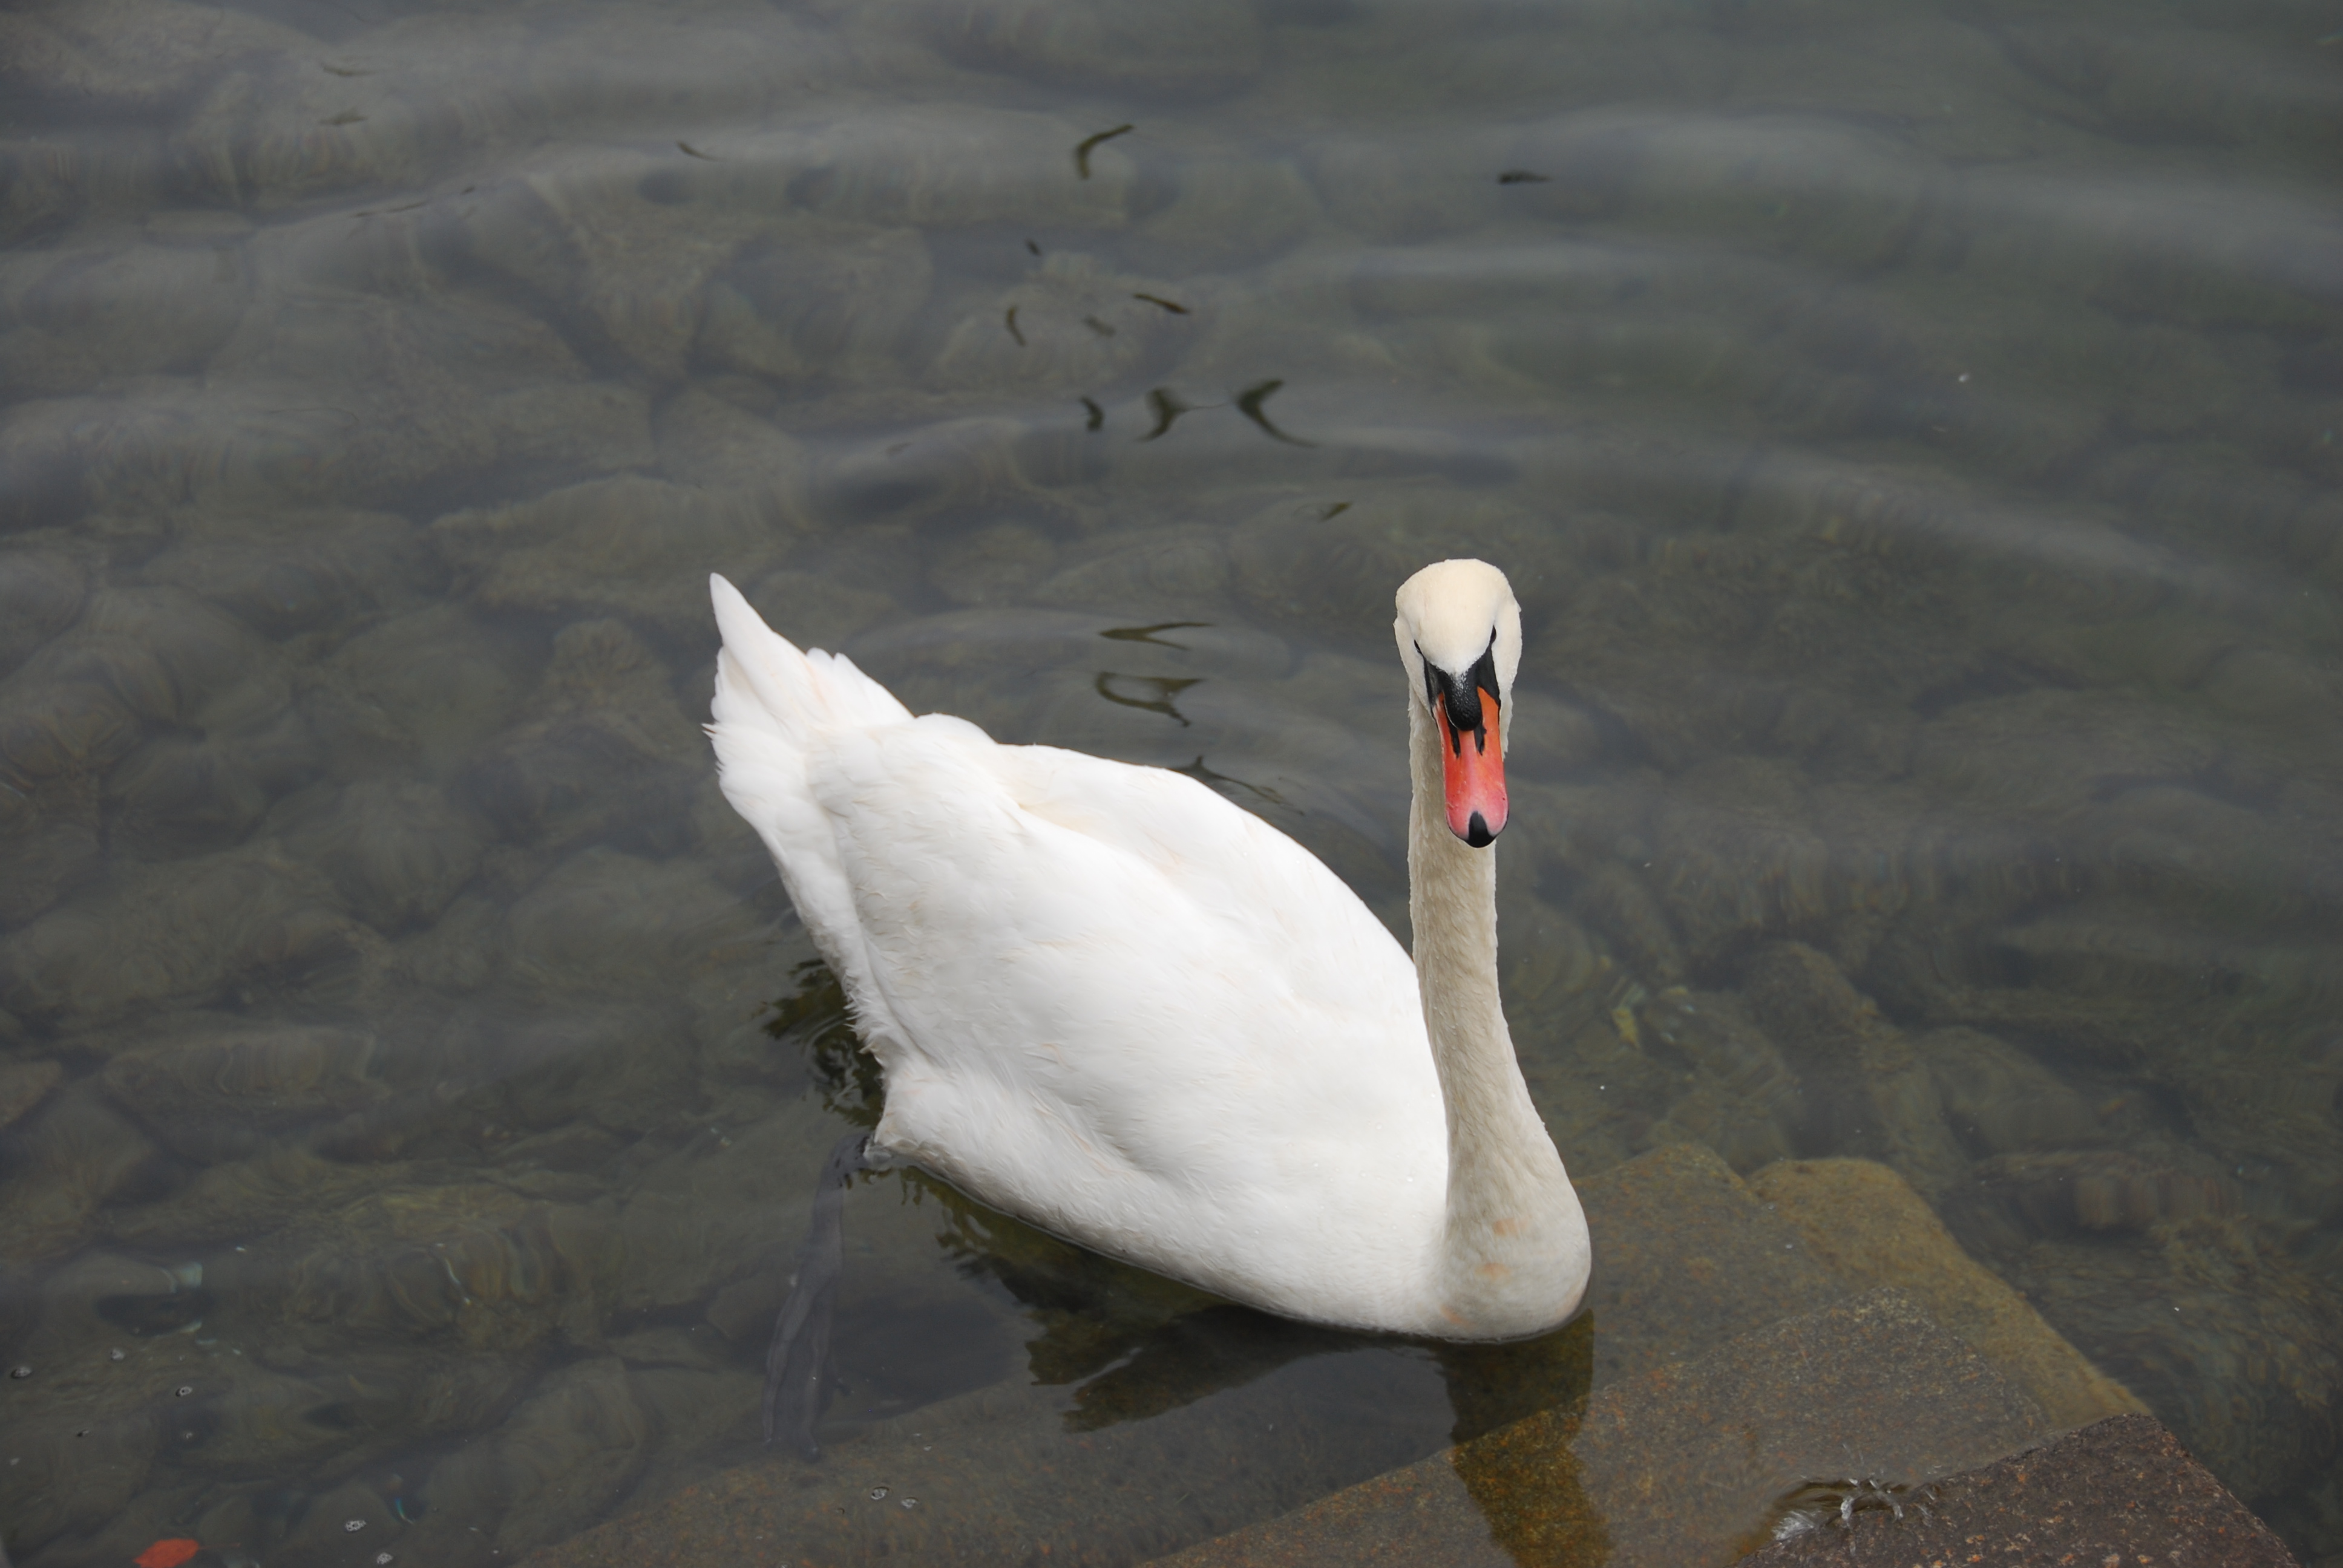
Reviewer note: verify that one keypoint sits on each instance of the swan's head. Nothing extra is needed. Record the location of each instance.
(1460, 636)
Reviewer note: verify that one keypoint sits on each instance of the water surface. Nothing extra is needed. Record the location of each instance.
(1910, 429)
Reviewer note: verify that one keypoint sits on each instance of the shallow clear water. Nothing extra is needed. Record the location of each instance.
(1910, 428)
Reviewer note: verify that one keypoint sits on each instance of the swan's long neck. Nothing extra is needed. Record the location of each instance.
(1514, 1242)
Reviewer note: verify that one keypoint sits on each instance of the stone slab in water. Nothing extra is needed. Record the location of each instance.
(2120, 1490)
(1732, 1359)
(1685, 1258)
(1867, 1225)
(1672, 1467)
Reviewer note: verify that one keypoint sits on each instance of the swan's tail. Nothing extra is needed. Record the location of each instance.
(774, 708)
(766, 687)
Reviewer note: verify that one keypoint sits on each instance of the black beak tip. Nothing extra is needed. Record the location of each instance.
(1477, 834)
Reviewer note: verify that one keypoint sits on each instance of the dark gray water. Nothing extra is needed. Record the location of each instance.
(1911, 429)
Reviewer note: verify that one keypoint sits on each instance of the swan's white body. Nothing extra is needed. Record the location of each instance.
(1111, 1002)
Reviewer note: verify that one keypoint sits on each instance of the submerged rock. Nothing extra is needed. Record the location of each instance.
(322, 1527)
(1733, 857)
(227, 1094)
(463, 951)
(1405, 187)
(421, 689)
(191, 931)
(702, 1216)
(136, 57)
(1866, 1089)
(286, 573)
(1167, 573)
(580, 1069)
(2000, 1100)
(99, 314)
(607, 922)
(2223, 1334)
(601, 235)
(76, 1154)
(1776, 184)
(275, 128)
(999, 565)
(23, 1085)
(1745, 1103)
(567, 1455)
(41, 592)
(726, 452)
(226, 1204)
(939, 165)
(87, 1433)
(1189, 49)
(1550, 969)
(1071, 326)
(1228, 211)
(610, 753)
(49, 842)
(630, 547)
(1865, 1223)
(819, 302)
(175, 796)
(2067, 1193)
(471, 1267)
(1616, 900)
(329, 397)
(45, 181)
(963, 466)
(422, 388)
(398, 851)
(111, 1295)
(164, 655)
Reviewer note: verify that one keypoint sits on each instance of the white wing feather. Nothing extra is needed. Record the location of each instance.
(1106, 998)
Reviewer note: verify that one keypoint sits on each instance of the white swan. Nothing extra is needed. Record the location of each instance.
(1113, 1004)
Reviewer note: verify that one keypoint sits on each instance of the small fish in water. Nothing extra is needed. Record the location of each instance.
(1082, 152)
(1204, 775)
(687, 149)
(1522, 178)
(1149, 693)
(1168, 407)
(1010, 321)
(1147, 633)
(1249, 402)
(1175, 309)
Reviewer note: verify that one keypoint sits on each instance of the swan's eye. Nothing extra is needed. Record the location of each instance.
(1458, 698)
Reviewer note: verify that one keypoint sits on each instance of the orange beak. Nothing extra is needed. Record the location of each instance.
(1472, 768)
